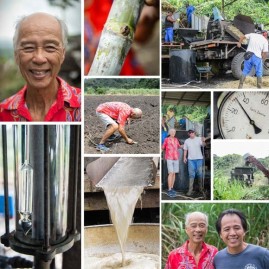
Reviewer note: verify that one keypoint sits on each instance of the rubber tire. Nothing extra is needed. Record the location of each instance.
(266, 71)
(238, 65)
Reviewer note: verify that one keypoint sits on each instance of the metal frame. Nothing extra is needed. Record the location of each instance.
(43, 250)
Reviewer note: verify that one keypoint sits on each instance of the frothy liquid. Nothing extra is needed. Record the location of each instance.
(121, 203)
(133, 261)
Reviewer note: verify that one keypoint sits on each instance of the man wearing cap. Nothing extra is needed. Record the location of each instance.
(192, 148)
(257, 50)
(114, 116)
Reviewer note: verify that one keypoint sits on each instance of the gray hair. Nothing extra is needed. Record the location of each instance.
(172, 129)
(189, 215)
(62, 24)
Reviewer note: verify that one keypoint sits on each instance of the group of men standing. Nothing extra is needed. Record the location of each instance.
(192, 156)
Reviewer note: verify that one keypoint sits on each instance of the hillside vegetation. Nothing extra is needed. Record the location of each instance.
(258, 10)
(122, 86)
(225, 190)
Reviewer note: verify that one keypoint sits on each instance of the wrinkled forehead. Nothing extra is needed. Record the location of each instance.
(196, 218)
(41, 25)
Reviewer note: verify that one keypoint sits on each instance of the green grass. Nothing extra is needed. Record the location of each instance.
(114, 91)
(224, 190)
(173, 223)
(11, 80)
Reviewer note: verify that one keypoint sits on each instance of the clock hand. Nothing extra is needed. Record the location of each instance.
(252, 122)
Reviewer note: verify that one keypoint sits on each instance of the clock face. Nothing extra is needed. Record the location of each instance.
(244, 115)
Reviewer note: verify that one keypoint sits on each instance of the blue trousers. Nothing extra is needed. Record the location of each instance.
(169, 34)
(253, 61)
(195, 168)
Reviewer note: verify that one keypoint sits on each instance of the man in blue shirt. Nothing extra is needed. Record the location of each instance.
(189, 10)
(232, 227)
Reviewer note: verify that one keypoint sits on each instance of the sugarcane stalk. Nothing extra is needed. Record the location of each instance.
(117, 37)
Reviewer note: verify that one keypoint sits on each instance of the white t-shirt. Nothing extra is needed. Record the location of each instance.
(257, 44)
(193, 146)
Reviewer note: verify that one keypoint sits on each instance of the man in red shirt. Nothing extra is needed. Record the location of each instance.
(114, 116)
(171, 146)
(194, 253)
(39, 46)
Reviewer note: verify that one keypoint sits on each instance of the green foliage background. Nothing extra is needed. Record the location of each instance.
(11, 80)
(258, 10)
(130, 86)
(224, 190)
(173, 223)
(194, 113)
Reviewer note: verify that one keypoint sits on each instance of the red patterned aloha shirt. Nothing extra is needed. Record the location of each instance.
(181, 258)
(171, 147)
(65, 108)
(116, 110)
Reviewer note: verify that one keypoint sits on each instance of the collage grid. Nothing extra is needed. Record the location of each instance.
(161, 142)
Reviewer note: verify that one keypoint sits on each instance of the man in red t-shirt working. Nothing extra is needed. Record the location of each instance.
(114, 116)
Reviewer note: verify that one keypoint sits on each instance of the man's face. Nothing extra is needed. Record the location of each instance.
(232, 233)
(196, 229)
(192, 134)
(172, 133)
(39, 52)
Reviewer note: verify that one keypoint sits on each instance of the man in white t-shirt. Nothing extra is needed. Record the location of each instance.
(192, 148)
(258, 47)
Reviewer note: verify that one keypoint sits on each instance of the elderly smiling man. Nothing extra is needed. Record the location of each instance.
(39, 45)
(194, 253)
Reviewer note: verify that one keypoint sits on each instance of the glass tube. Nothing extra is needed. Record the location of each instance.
(29, 149)
(25, 202)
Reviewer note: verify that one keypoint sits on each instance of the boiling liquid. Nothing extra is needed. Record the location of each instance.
(121, 203)
(113, 261)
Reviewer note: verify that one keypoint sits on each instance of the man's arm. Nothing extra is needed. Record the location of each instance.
(240, 41)
(203, 141)
(264, 55)
(124, 135)
(185, 156)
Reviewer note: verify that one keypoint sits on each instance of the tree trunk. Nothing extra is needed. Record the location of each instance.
(117, 37)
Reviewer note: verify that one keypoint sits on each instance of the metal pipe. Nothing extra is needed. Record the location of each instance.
(5, 167)
(76, 172)
(39, 264)
(16, 173)
(73, 178)
(37, 161)
(46, 188)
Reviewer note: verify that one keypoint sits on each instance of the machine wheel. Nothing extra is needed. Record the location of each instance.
(266, 66)
(238, 65)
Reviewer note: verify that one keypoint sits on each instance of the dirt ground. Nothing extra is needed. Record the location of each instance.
(144, 131)
(226, 81)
